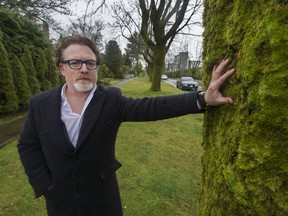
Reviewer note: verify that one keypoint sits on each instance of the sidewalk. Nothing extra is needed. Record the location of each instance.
(11, 131)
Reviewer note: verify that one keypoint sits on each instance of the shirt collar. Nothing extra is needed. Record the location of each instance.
(63, 94)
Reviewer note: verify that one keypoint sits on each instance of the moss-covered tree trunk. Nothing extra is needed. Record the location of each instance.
(245, 162)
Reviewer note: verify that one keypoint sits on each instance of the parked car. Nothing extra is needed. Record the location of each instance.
(164, 77)
(187, 83)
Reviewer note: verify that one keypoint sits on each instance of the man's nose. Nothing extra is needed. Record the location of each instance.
(84, 68)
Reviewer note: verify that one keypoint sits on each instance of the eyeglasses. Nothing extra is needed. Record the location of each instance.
(77, 64)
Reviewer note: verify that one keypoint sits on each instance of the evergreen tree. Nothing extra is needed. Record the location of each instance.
(41, 69)
(8, 98)
(245, 166)
(138, 69)
(104, 75)
(113, 59)
(27, 62)
(19, 31)
(51, 72)
(133, 50)
(21, 85)
(38, 9)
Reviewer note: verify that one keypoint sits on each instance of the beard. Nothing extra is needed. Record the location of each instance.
(83, 87)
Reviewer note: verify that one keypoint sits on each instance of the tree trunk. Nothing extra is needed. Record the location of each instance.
(158, 67)
(245, 166)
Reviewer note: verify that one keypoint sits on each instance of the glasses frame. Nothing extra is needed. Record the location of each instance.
(82, 61)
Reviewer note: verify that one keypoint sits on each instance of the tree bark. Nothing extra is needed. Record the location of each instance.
(245, 166)
(159, 66)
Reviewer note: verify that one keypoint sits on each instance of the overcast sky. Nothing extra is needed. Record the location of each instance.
(190, 43)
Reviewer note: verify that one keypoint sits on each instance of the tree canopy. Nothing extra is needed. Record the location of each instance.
(39, 9)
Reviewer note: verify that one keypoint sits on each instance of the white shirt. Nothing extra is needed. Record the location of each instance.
(73, 121)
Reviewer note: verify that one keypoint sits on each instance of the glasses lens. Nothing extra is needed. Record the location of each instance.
(75, 64)
(91, 64)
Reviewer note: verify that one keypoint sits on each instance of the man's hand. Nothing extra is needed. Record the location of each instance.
(213, 96)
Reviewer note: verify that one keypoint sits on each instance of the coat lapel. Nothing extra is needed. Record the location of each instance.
(91, 115)
(52, 118)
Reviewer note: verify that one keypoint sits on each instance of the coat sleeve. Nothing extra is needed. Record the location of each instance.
(32, 156)
(157, 108)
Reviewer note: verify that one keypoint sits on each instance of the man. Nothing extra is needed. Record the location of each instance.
(67, 145)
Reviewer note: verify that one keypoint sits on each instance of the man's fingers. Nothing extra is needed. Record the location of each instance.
(217, 71)
(227, 100)
(225, 76)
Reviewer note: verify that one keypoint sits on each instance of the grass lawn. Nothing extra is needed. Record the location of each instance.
(17, 198)
(160, 173)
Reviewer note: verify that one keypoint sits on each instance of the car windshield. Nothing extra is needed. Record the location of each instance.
(187, 79)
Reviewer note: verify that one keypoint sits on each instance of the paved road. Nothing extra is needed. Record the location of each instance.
(173, 83)
(122, 82)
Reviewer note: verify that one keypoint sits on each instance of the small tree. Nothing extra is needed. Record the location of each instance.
(138, 69)
(41, 69)
(20, 83)
(104, 75)
(113, 58)
(8, 98)
(134, 48)
(51, 73)
(27, 62)
(126, 70)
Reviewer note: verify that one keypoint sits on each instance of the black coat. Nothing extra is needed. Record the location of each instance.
(83, 179)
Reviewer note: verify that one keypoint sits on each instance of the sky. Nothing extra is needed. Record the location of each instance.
(188, 43)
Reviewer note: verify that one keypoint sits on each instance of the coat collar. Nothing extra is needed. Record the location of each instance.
(56, 128)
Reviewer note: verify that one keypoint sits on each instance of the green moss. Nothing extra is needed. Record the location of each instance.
(245, 166)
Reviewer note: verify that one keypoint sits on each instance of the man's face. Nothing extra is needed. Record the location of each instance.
(82, 79)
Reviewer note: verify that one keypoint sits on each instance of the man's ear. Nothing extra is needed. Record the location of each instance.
(61, 69)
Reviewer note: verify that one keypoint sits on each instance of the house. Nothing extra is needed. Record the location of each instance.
(182, 62)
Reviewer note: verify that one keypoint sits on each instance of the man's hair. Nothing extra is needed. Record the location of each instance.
(74, 39)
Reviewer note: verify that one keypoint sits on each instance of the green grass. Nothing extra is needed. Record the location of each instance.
(160, 173)
(16, 197)
(161, 160)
